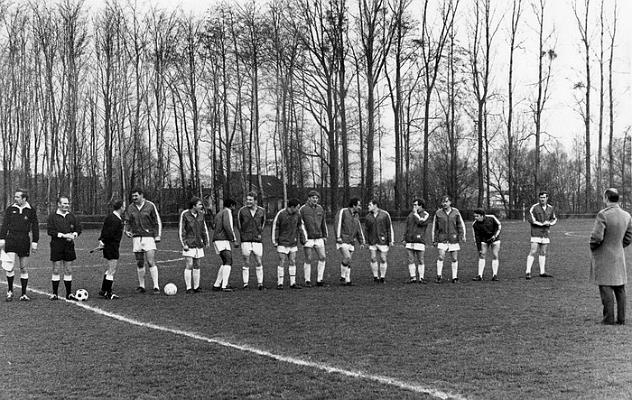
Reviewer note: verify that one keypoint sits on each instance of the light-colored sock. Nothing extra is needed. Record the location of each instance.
(196, 278)
(245, 274)
(109, 277)
(292, 270)
(307, 271)
(225, 276)
(383, 268)
(495, 264)
(481, 266)
(374, 269)
(187, 278)
(542, 261)
(421, 268)
(220, 276)
(348, 275)
(439, 267)
(343, 270)
(280, 275)
(141, 276)
(153, 271)
(321, 271)
(530, 260)
(259, 272)
(411, 271)
(24, 275)
(455, 269)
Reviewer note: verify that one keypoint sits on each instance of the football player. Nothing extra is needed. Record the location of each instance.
(315, 234)
(110, 242)
(250, 220)
(487, 236)
(448, 230)
(415, 240)
(286, 229)
(63, 228)
(379, 233)
(223, 236)
(193, 237)
(348, 230)
(542, 217)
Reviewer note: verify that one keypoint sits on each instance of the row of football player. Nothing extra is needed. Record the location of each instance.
(305, 224)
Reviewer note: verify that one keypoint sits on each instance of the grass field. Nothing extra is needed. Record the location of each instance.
(513, 339)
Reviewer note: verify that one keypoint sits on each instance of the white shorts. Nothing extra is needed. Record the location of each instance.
(252, 247)
(541, 240)
(8, 260)
(315, 243)
(416, 246)
(347, 246)
(448, 246)
(193, 252)
(382, 248)
(221, 245)
(286, 249)
(142, 244)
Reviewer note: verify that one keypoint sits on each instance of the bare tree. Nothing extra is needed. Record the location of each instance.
(516, 13)
(612, 34)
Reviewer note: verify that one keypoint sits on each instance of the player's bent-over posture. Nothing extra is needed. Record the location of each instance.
(315, 237)
(18, 238)
(110, 242)
(143, 225)
(542, 217)
(448, 230)
(194, 238)
(379, 235)
(415, 241)
(286, 230)
(223, 236)
(250, 221)
(348, 230)
(63, 228)
(487, 236)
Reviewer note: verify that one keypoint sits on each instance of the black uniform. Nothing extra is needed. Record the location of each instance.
(18, 223)
(60, 248)
(111, 235)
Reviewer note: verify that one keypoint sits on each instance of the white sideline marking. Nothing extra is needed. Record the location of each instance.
(413, 387)
(578, 234)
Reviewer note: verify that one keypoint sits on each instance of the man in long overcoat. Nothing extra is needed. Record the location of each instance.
(611, 232)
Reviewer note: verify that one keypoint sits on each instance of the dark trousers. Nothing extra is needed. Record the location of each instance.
(608, 296)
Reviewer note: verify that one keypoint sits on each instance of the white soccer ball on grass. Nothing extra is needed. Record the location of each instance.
(81, 295)
(170, 289)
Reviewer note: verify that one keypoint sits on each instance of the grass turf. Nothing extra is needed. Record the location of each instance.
(513, 339)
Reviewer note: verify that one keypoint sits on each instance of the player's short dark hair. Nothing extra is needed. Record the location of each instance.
(137, 190)
(479, 211)
(228, 203)
(446, 197)
(194, 200)
(420, 202)
(62, 197)
(252, 194)
(293, 203)
(25, 193)
(116, 204)
(375, 202)
(612, 195)
(354, 202)
(313, 193)
(543, 193)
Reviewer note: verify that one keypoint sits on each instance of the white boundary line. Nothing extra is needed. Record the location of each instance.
(577, 234)
(386, 380)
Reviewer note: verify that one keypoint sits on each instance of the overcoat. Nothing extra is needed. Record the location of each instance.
(612, 231)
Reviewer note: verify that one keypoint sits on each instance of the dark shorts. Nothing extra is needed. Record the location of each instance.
(111, 251)
(62, 250)
(18, 243)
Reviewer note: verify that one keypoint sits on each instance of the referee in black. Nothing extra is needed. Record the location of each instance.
(19, 235)
(63, 228)
(110, 241)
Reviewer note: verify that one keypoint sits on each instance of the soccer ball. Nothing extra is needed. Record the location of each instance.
(170, 289)
(81, 295)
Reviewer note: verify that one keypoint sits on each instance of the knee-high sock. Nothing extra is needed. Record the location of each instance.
(220, 276)
(321, 271)
(141, 276)
(348, 274)
(259, 272)
(280, 275)
(55, 280)
(455, 269)
(10, 277)
(109, 280)
(411, 270)
(383, 268)
(292, 270)
(495, 264)
(307, 271)
(481, 266)
(542, 261)
(245, 274)
(374, 269)
(24, 280)
(153, 271)
(225, 276)
(343, 270)
(439, 267)
(68, 284)
(530, 260)
(196, 278)
(421, 268)
(188, 275)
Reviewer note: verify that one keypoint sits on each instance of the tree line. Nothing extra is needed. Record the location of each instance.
(391, 99)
